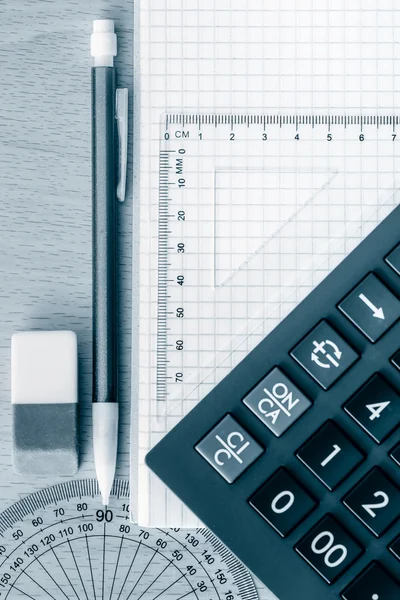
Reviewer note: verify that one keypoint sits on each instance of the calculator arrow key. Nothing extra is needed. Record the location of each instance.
(371, 307)
(377, 312)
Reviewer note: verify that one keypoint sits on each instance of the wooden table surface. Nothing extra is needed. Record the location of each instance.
(45, 200)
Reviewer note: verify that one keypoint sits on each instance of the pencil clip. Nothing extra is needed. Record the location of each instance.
(121, 114)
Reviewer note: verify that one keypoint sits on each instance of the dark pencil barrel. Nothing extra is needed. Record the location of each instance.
(104, 235)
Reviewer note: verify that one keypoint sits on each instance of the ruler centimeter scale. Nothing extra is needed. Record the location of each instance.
(241, 216)
(281, 120)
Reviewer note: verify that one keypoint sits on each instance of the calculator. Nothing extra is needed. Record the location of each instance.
(293, 460)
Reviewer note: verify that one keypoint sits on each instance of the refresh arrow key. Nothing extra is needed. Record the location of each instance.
(324, 354)
(371, 307)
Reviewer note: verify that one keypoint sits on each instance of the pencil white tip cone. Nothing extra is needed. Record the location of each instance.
(105, 442)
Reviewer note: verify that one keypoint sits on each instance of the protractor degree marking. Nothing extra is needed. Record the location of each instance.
(199, 562)
(38, 584)
(63, 570)
(90, 566)
(185, 595)
(116, 567)
(86, 575)
(66, 491)
(77, 568)
(142, 573)
(169, 587)
(139, 544)
(22, 592)
(51, 577)
(153, 582)
(26, 540)
(104, 560)
(130, 568)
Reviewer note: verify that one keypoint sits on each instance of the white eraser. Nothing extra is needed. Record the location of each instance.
(44, 367)
(44, 395)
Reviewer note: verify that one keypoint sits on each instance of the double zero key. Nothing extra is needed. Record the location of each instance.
(329, 549)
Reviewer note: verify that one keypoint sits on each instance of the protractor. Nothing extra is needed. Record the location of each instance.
(60, 543)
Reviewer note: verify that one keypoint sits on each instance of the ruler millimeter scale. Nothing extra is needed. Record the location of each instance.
(248, 213)
(281, 120)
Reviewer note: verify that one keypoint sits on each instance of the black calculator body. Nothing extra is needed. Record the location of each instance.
(293, 460)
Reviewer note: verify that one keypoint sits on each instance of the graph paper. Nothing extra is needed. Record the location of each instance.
(272, 221)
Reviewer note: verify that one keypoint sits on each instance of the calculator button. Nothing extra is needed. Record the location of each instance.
(229, 449)
(376, 407)
(329, 549)
(393, 259)
(396, 360)
(374, 583)
(375, 501)
(395, 548)
(371, 307)
(282, 502)
(395, 454)
(277, 402)
(324, 354)
(330, 455)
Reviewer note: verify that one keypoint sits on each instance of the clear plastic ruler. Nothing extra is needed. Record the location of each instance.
(241, 216)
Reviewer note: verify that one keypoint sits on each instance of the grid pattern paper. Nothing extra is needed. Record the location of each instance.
(267, 221)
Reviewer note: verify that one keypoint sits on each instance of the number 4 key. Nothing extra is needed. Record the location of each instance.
(376, 407)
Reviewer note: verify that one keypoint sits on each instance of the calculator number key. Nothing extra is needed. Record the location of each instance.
(376, 408)
(393, 259)
(282, 502)
(395, 548)
(330, 455)
(229, 449)
(395, 454)
(395, 360)
(277, 402)
(329, 549)
(374, 583)
(375, 501)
